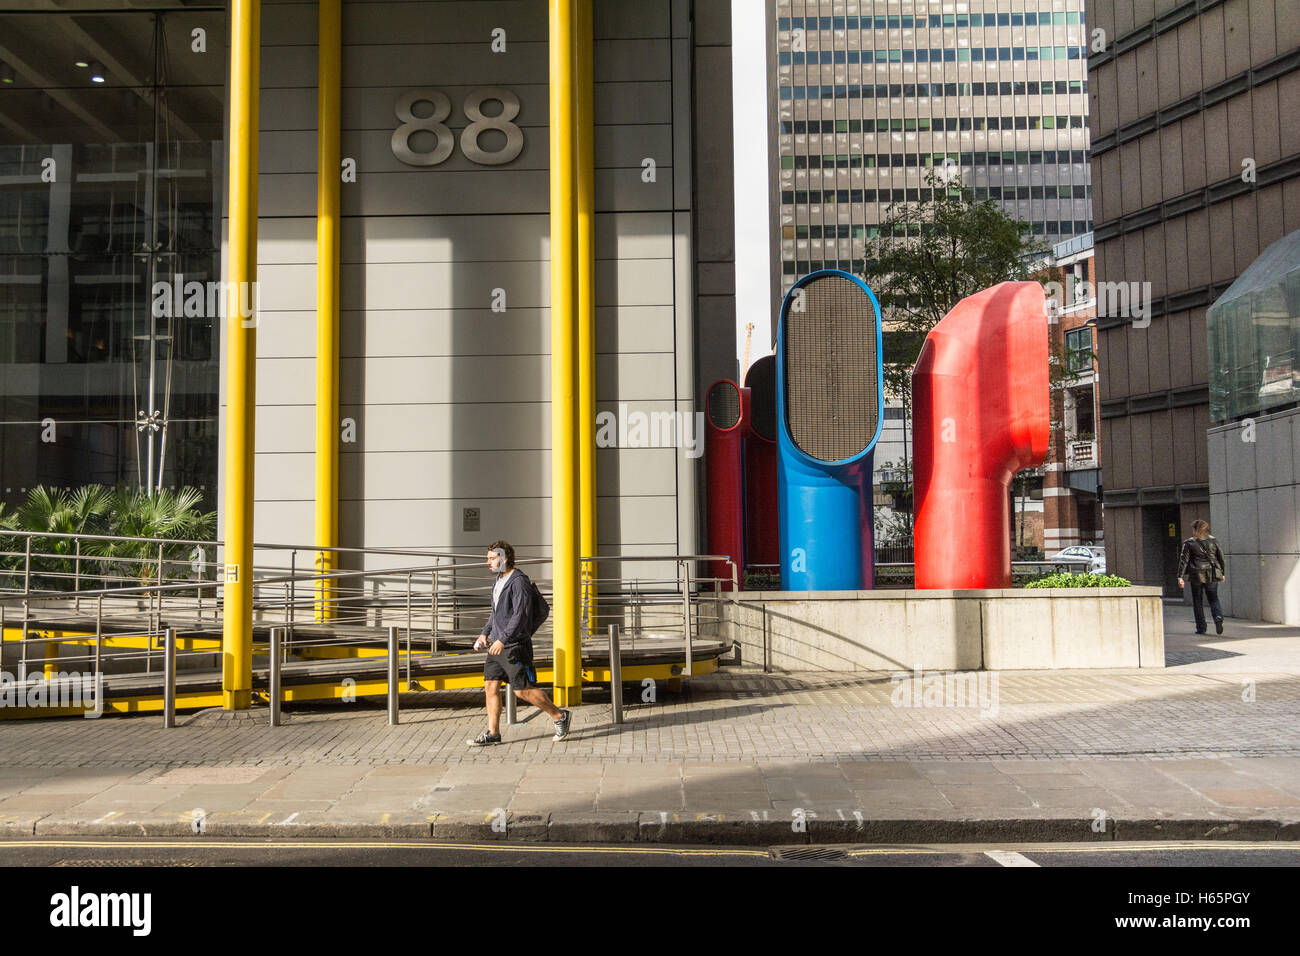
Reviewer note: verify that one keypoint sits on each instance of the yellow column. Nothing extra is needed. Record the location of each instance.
(583, 54)
(241, 356)
(564, 344)
(328, 176)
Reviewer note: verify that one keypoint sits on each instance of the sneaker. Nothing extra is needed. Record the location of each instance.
(1218, 625)
(485, 739)
(562, 725)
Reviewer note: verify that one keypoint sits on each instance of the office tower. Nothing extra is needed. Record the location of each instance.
(1196, 166)
(871, 97)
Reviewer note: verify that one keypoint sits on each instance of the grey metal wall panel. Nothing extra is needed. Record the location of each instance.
(681, 66)
(286, 381)
(438, 524)
(639, 101)
(288, 286)
(417, 475)
(289, 429)
(286, 334)
(625, 188)
(630, 378)
(285, 477)
(464, 426)
(521, 331)
(636, 61)
(646, 19)
(425, 379)
(638, 521)
(634, 329)
(634, 282)
(285, 241)
(635, 472)
(377, 333)
(441, 285)
(451, 399)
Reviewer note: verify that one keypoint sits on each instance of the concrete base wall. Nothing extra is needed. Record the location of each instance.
(1012, 629)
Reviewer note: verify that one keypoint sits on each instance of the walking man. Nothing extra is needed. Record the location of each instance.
(1202, 560)
(510, 629)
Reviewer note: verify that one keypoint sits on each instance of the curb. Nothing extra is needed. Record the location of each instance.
(745, 828)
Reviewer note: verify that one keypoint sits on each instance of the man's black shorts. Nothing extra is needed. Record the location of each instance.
(514, 665)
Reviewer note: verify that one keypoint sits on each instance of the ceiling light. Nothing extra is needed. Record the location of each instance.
(6, 73)
(82, 63)
(96, 72)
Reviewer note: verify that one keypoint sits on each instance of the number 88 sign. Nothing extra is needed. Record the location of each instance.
(469, 137)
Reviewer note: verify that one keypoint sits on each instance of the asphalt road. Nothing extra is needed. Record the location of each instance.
(95, 853)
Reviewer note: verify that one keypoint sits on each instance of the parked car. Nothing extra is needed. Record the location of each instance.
(1081, 558)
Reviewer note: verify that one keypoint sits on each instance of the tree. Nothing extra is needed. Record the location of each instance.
(930, 255)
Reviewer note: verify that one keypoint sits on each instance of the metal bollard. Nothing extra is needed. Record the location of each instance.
(392, 677)
(686, 614)
(615, 674)
(169, 678)
(512, 716)
(277, 642)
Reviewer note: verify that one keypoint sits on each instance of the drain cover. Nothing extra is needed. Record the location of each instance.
(820, 853)
(133, 862)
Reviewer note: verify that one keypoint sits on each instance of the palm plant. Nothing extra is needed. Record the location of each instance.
(58, 512)
(133, 514)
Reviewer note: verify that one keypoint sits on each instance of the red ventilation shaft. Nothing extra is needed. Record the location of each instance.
(762, 523)
(727, 408)
(981, 413)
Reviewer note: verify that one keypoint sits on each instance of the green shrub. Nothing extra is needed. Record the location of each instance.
(1069, 579)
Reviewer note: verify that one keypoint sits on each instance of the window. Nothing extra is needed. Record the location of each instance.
(1078, 350)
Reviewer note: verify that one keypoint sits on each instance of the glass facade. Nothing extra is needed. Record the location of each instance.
(873, 96)
(1254, 337)
(111, 159)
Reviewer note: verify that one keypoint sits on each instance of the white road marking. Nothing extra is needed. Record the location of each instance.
(1009, 858)
(289, 818)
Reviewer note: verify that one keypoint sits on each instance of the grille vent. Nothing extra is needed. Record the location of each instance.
(830, 370)
(761, 382)
(724, 404)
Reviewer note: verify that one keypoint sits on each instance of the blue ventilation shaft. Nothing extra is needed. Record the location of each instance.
(830, 395)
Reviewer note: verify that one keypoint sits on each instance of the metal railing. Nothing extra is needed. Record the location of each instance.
(140, 604)
(657, 606)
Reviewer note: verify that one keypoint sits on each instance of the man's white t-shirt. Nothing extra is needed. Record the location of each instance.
(499, 586)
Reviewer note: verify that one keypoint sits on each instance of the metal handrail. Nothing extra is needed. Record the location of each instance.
(436, 601)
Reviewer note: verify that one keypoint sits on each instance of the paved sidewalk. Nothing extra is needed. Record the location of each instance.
(1207, 748)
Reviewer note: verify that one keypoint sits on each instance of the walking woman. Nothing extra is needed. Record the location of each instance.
(1201, 560)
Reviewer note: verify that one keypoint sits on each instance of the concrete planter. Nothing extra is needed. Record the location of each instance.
(893, 630)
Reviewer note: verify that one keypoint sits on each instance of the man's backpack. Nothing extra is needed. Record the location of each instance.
(540, 609)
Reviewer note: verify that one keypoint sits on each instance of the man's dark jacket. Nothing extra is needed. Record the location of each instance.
(511, 620)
